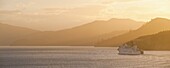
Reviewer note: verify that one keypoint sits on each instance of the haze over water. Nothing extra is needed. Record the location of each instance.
(79, 57)
(66, 31)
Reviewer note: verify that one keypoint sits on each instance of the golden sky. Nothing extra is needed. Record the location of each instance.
(59, 14)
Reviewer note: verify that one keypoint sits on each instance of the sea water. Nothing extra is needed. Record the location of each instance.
(79, 57)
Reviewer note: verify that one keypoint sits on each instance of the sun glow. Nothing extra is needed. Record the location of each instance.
(77, 12)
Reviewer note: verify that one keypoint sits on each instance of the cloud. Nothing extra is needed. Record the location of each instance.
(139, 10)
(91, 10)
(60, 17)
(53, 18)
(112, 1)
(84, 11)
(52, 11)
(9, 11)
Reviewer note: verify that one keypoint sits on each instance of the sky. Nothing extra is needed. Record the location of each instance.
(61, 14)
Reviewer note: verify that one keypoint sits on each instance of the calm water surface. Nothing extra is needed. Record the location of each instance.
(79, 57)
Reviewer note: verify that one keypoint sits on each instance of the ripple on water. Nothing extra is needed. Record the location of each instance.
(70, 57)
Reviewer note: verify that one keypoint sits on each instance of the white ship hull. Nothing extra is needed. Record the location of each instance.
(131, 53)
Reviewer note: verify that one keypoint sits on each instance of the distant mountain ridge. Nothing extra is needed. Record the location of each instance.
(154, 26)
(10, 33)
(77, 36)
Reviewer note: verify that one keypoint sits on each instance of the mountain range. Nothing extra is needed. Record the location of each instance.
(86, 34)
(152, 27)
(159, 41)
(153, 35)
